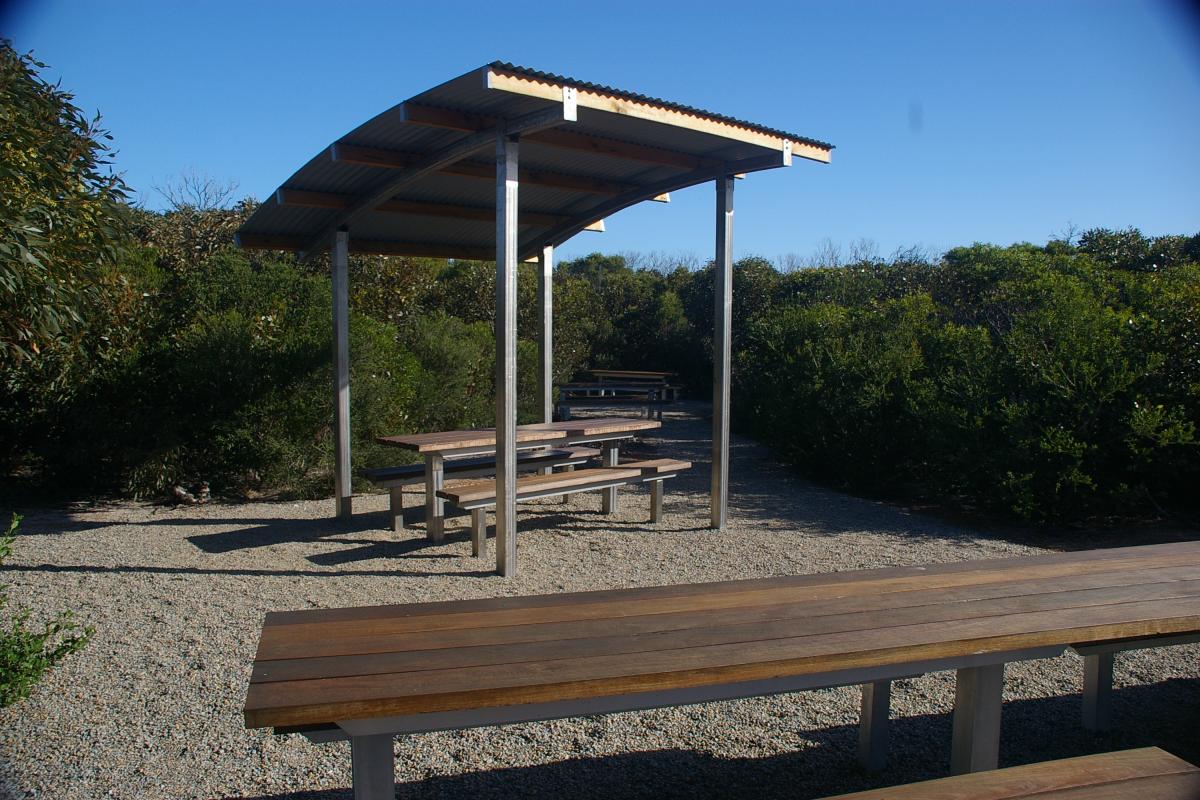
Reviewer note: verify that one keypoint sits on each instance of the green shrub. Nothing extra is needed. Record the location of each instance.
(25, 654)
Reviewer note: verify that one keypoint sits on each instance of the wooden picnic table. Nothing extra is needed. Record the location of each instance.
(607, 432)
(632, 375)
(369, 673)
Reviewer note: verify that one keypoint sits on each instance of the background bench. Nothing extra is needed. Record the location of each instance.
(396, 478)
(478, 496)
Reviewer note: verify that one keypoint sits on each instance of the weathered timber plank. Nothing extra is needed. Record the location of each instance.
(796, 624)
(304, 702)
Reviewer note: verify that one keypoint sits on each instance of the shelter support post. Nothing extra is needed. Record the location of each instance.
(339, 262)
(506, 352)
(546, 331)
(722, 323)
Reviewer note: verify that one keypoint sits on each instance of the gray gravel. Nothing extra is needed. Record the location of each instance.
(152, 707)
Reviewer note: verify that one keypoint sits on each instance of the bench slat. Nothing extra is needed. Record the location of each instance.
(528, 459)
(1142, 774)
(477, 491)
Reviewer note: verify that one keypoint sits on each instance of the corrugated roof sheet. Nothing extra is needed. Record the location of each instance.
(621, 159)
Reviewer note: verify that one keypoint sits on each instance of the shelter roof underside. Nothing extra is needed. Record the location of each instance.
(419, 179)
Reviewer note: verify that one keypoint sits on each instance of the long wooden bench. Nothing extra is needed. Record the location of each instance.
(366, 674)
(1144, 774)
(478, 496)
(394, 479)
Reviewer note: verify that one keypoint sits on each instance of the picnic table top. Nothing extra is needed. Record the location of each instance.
(537, 432)
(321, 666)
(632, 373)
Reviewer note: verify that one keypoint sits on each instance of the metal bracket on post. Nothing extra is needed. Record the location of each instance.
(787, 152)
(570, 108)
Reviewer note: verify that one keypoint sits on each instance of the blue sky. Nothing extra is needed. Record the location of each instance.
(954, 121)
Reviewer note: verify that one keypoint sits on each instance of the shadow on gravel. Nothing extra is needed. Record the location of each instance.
(1161, 715)
(86, 569)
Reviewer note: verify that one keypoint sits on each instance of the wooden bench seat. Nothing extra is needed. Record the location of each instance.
(396, 478)
(366, 674)
(1144, 774)
(478, 496)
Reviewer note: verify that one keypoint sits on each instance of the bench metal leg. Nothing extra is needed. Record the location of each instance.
(478, 531)
(435, 507)
(373, 765)
(873, 725)
(1097, 691)
(568, 468)
(977, 701)
(656, 501)
(608, 458)
(396, 507)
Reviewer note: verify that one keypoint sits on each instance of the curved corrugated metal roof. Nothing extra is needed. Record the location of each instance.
(418, 179)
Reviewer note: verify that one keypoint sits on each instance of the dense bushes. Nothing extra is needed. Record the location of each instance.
(1036, 381)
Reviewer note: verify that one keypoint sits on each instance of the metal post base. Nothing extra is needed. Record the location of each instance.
(977, 701)
(1097, 691)
(873, 725)
(373, 767)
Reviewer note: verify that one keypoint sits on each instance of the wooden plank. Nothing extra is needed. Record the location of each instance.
(888, 579)
(791, 621)
(602, 675)
(267, 241)
(454, 440)
(1043, 779)
(334, 639)
(499, 79)
(418, 114)
(481, 490)
(632, 373)
(656, 466)
(395, 159)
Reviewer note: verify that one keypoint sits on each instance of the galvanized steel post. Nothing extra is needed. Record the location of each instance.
(722, 352)
(546, 331)
(506, 353)
(339, 267)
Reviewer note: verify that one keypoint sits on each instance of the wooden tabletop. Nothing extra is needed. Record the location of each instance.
(317, 667)
(631, 373)
(537, 432)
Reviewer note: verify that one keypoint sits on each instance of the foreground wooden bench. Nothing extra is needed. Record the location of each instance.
(478, 496)
(1145, 774)
(394, 479)
(366, 674)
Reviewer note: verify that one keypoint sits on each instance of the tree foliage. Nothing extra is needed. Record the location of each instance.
(60, 210)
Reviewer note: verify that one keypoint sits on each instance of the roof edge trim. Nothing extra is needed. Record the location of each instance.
(502, 78)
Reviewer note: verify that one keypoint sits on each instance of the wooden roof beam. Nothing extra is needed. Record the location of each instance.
(464, 148)
(530, 244)
(395, 159)
(416, 114)
(300, 197)
(260, 241)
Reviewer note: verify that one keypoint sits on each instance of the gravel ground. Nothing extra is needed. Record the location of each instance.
(152, 707)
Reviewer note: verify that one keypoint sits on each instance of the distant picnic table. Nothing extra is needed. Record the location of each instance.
(607, 432)
(620, 387)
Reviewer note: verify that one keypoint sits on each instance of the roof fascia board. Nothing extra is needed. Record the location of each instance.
(502, 80)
